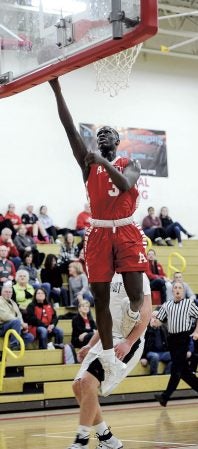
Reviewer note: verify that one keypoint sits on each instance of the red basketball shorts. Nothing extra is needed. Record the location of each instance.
(107, 252)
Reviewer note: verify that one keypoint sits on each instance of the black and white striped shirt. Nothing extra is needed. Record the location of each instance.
(180, 315)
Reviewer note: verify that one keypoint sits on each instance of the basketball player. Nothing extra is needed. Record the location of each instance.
(113, 242)
(91, 374)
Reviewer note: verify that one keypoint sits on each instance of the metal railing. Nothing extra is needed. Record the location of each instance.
(8, 351)
(172, 268)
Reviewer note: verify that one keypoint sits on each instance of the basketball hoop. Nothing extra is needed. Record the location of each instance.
(113, 73)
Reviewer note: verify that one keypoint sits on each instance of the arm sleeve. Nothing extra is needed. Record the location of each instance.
(31, 318)
(162, 314)
(84, 284)
(18, 243)
(13, 251)
(146, 223)
(5, 314)
(13, 270)
(193, 309)
(54, 318)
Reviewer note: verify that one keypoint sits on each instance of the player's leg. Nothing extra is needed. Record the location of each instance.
(133, 283)
(101, 292)
(86, 392)
(113, 367)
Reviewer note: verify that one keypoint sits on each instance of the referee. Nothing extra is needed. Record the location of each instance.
(180, 315)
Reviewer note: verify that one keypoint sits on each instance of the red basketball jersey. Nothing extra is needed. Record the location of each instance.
(107, 202)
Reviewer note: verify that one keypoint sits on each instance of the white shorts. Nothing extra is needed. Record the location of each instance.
(97, 350)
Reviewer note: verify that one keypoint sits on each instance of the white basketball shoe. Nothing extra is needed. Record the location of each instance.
(108, 441)
(114, 372)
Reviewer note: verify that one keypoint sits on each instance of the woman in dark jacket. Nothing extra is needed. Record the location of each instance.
(52, 274)
(172, 229)
(83, 325)
(42, 319)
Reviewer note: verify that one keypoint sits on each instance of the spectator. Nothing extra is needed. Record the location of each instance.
(22, 291)
(11, 318)
(156, 275)
(14, 218)
(172, 229)
(83, 326)
(7, 268)
(32, 271)
(42, 320)
(177, 277)
(33, 225)
(156, 346)
(78, 285)
(47, 223)
(69, 252)
(83, 220)
(52, 274)
(25, 243)
(6, 240)
(180, 315)
(153, 229)
(6, 223)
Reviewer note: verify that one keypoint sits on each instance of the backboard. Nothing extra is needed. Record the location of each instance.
(42, 39)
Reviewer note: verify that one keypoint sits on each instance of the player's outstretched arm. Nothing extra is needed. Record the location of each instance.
(85, 349)
(78, 147)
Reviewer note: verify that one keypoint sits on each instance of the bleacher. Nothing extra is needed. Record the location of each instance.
(40, 380)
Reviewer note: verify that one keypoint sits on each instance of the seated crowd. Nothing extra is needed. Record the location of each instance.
(35, 285)
(162, 229)
(32, 284)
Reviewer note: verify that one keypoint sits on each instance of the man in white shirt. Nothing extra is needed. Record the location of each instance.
(11, 318)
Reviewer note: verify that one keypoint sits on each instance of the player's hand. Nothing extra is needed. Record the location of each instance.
(82, 353)
(122, 349)
(93, 158)
(188, 355)
(144, 362)
(136, 165)
(54, 83)
(194, 335)
(82, 336)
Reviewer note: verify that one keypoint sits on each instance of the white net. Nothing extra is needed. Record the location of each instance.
(113, 73)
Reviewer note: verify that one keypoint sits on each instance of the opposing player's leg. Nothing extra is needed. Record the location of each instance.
(113, 367)
(86, 392)
(133, 284)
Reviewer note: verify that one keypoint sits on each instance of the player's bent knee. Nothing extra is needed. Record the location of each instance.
(76, 387)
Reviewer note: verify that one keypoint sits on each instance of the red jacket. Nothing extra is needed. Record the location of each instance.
(13, 251)
(83, 220)
(40, 315)
(155, 271)
(14, 218)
